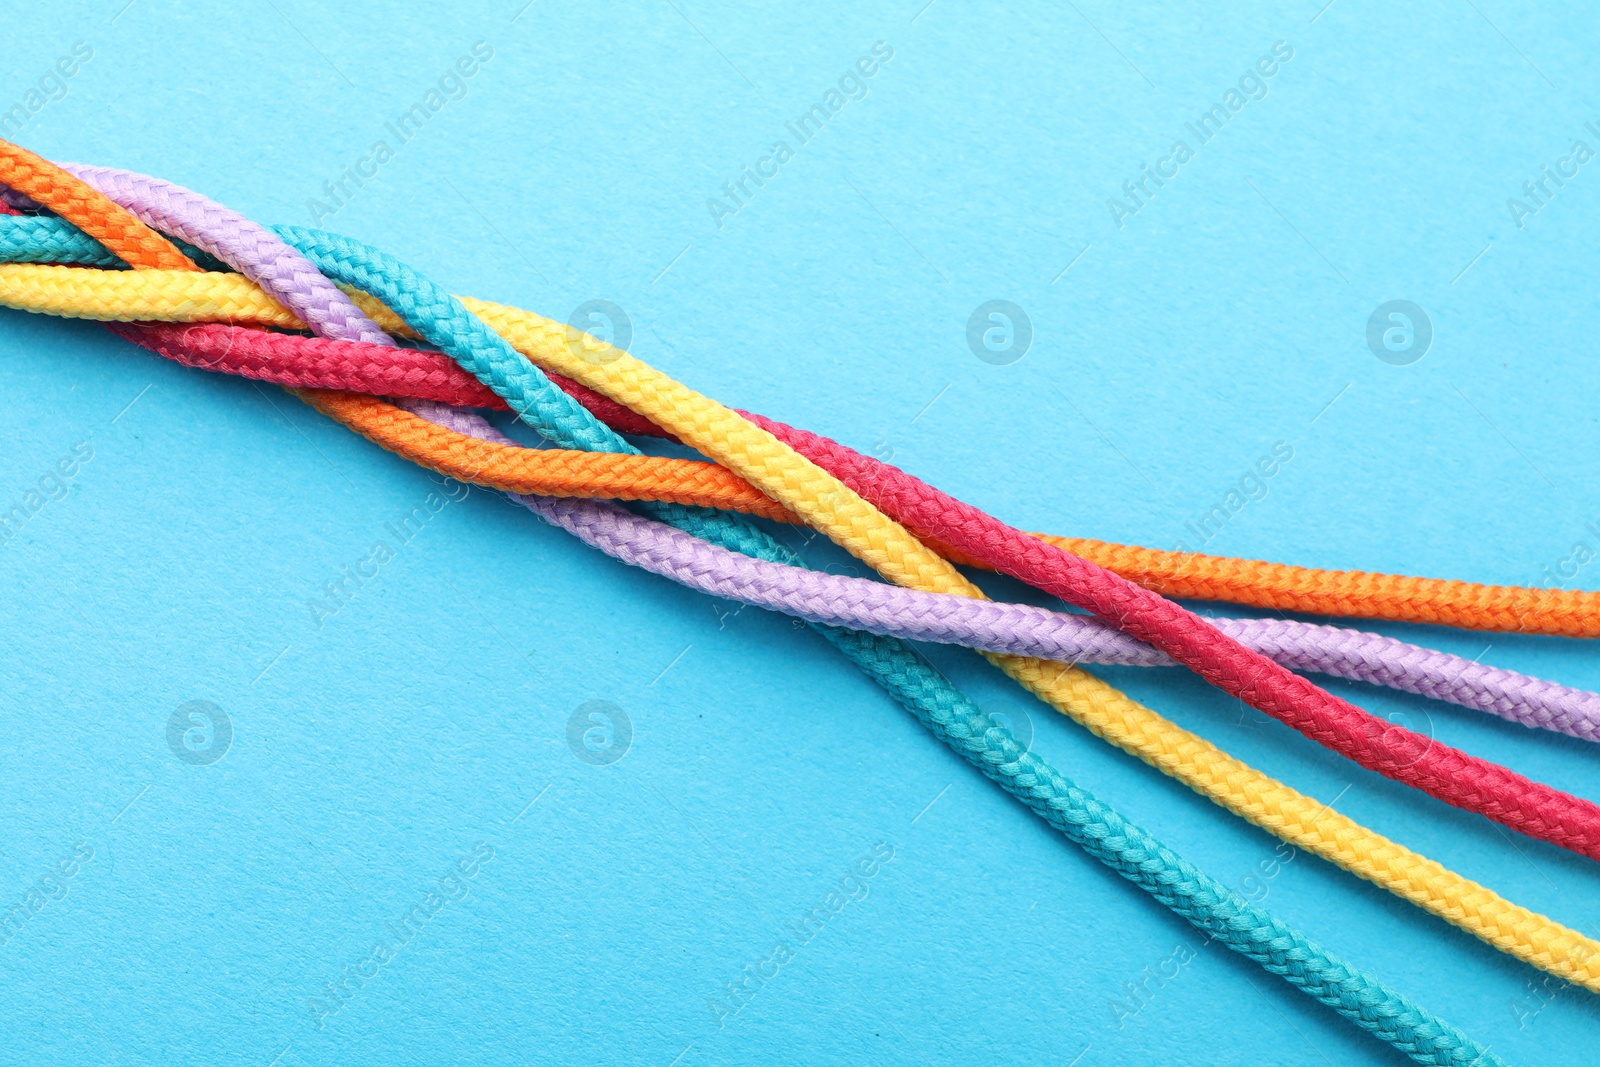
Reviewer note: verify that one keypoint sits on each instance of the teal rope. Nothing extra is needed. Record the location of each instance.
(26, 239)
(948, 713)
(47, 239)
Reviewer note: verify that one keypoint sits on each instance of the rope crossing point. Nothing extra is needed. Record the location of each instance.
(774, 458)
(1196, 576)
(809, 492)
(383, 312)
(914, 687)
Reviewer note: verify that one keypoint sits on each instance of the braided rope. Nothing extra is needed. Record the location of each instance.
(319, 363)
(1444, 772)
(1196, 576)
(1021, 629)
(1111, 714)
(302, 361)
(46, 184)
(849, 601)
(985, 625)
(760, 451)
(542, 471)
(286, 274)
(1220, 773)
(1352, 993)
(1536, 950)
(1075, 812)
(313, 362)
(249, 248)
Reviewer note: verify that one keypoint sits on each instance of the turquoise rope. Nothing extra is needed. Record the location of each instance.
(948, 713)
(47, 239)
(26, 239)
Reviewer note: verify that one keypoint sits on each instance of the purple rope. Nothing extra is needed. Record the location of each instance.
(249, 248)
(837, 600)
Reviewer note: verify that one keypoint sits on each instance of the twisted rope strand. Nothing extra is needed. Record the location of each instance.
(121, 233)
(313, 362)
(1048, 794)
(302, 361)
(543, 471)
(1258, 797)
(760, 451)
(317, 363)
(823, 501)
(977, 624)
(251, 249)
(1535, 949)
(1198, 576)
(298, 361)
(1353, 994)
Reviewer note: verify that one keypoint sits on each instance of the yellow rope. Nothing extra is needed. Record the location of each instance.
(139, 295)
(850, 521)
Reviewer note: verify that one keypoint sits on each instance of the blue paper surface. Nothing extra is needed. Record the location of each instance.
(523, 804)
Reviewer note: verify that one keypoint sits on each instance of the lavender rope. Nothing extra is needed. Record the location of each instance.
(1029, 631)
(856, 603)
(248, 247)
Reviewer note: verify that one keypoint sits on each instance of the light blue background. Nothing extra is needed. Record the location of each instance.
(371, 753)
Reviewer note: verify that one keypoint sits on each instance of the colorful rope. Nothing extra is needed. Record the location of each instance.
(1023, 630)
(303, 361)
(849, 518)
(638, 541)
(1253, 583)
(323, 363)
(48, 185)
(761, 452)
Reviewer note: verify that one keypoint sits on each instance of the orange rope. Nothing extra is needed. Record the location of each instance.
(542, 471)
(1347, 594)
(74, 200)
(555, 472)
